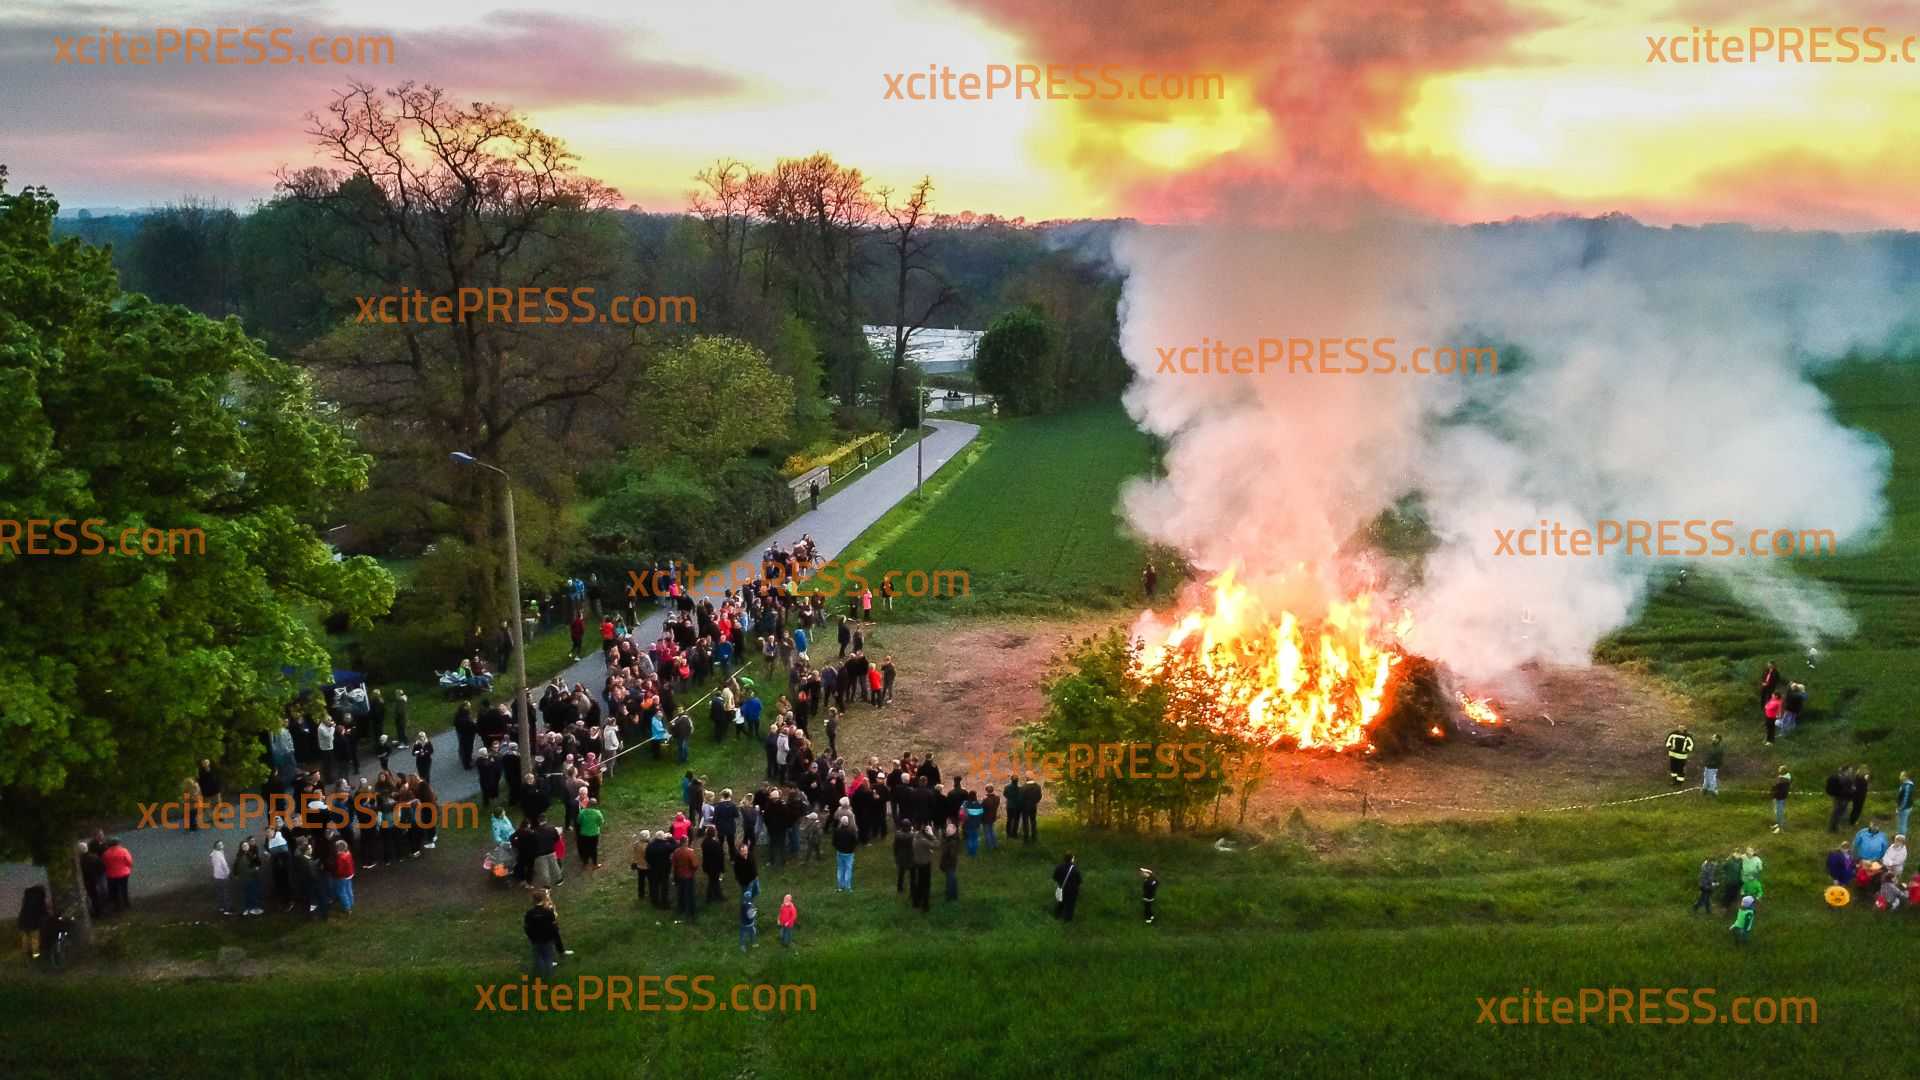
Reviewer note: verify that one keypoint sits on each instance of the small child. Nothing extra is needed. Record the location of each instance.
(788, 916)
(1743, 923)
(749, 930)
(1149, 890)
(810, 831)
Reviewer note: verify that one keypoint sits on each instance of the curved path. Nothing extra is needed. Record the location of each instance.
(167, 859)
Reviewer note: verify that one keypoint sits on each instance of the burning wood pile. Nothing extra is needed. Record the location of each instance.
(1342, 682)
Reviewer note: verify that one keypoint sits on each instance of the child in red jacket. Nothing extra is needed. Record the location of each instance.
(788, 916)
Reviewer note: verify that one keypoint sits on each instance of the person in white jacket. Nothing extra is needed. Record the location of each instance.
(1895, 860)
(222, 877)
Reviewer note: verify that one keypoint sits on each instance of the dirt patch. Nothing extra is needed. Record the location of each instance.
(1571, 735)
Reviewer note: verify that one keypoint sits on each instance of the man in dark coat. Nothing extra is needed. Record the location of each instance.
(659, 867)
(1066, 883)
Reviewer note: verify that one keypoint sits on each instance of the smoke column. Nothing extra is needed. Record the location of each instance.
(1645, 373)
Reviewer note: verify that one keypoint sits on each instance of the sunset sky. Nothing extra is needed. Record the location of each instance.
(1461, 110)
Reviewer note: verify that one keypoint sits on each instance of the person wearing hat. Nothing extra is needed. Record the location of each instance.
(1743, 923)
(1149, 890)
(1679, 746)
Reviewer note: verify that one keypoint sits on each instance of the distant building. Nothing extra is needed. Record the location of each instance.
(937, 351)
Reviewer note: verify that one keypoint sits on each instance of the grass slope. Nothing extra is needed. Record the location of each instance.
(1334, 948)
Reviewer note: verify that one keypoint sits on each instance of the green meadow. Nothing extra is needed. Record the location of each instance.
(1318, 946)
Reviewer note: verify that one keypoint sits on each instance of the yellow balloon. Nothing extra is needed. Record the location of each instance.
(1838, 896)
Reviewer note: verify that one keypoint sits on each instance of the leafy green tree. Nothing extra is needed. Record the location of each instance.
(1192, 753)
(1017, 359)
(118, 673)
(712, 398)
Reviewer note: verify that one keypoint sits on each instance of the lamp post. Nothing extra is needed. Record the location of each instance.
(919, 423)
(513, 623)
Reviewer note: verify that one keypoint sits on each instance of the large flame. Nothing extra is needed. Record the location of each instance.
(1320, 686)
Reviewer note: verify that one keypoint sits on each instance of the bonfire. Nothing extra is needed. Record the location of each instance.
(1320, 684)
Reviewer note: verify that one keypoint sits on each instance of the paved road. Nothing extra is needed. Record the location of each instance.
(166, 859)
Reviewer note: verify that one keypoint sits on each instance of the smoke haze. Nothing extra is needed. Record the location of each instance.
(1644, 374)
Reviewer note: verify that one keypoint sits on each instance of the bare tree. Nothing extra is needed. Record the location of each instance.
(906, 236)
(440, 198)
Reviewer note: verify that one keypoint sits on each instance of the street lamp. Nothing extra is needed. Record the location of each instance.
(919, 424)
(513, 623)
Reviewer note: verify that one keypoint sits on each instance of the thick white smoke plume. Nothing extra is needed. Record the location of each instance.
(1644, 374)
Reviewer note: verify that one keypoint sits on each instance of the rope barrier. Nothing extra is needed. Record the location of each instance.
(1690, 789)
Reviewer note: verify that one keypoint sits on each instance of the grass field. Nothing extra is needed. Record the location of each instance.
(1030, 520)
(1333, 947)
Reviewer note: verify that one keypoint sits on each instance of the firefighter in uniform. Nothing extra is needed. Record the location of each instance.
(1679, 745)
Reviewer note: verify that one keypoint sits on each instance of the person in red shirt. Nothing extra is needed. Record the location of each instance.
(343, 876)
(578, 628)
(119, 863)
(606, 633)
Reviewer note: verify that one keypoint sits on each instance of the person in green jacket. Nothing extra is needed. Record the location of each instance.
(1743, 923)
(1710, 768)
(1750, 867)
(587, 827)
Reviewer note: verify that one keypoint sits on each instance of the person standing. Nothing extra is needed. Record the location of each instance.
(1743, 923)
(342, 866)
(1710, 767)
(1030, 807)
(542, 924)
(1839, 789)
(577, 628)
(637, 862)
(746, 871)
(686, 867)
(1902, 803)
(464, 729)
(1679, 747)
(591, 821)
(246, 868)
(1149, 891)
(1771, 711)
(222, 877)
(1149, 578)
(813, 493)
(846, 840)
(789, 914)
(713, 861)
(1705, 902)
(1014, 805)
(1859, 795)
(119, 866)
(989, 814)
(924, 846)
(660, 869)
(1782, 783)
(423, 756)
(1066, 888)
(749, 928)
(950, 859)
(1729, 876)
(399, 714)
(902, 855)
